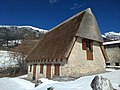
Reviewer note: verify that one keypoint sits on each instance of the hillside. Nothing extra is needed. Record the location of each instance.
(11, 36)
(111, 36)
(20, 32)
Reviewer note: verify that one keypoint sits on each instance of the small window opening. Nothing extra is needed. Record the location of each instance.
(88, 45)
(107, 63)
(116, 64)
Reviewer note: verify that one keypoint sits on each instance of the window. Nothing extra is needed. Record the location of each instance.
(41, 68)
(116, 64)
(107, 64)
(119, 46)
(87, 45)
(30, 68)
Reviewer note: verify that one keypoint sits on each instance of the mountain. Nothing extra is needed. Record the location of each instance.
(34, 29)
(110, 36)
(20, 32)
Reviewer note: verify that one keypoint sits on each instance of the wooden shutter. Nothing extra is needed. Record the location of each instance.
(89, 55)
(91, 44)
(84, 44)
(34, 72)
(41, 68)
(48, 73)
(57, 69)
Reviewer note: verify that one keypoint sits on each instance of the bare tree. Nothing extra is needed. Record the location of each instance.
(21, 52)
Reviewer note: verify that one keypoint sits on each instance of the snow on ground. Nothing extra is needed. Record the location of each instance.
(12, 43)
(15, 84)
(82, 83)
(6, 59)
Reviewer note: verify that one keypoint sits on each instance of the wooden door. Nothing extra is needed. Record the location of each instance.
(57, 69)
(34, 72)
(48, 71)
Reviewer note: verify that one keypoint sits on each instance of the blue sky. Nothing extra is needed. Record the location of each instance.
(48, 13)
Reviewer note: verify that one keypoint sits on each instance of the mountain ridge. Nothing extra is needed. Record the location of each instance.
(31, 27)
(111, 35)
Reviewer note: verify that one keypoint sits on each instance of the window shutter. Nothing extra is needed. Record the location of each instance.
(89, 55)
(34, 71)
(57, 69)
(84, 44)
(91, 44)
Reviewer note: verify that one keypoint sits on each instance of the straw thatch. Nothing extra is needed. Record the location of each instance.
(58, 43)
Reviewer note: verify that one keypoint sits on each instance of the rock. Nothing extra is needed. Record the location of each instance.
(101, 83)
(50, 88)
(38, 82)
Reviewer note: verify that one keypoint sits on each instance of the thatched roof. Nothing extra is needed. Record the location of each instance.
(57, 43)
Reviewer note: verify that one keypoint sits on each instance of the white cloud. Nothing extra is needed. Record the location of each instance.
(52, 1)
(76, 6)
(72, 8)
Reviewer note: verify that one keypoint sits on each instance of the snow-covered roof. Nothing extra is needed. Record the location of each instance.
(111, 42)
(103, 36)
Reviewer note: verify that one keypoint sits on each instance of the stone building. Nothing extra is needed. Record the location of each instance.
(113, 51)
(72, 48)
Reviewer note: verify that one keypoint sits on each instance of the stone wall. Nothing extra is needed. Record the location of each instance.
(78, 64)
(113, 54)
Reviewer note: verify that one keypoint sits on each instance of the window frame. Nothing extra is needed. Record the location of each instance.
(87, 45)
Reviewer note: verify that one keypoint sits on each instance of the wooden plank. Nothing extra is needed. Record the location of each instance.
(41, 68)
(34, 72)
(104, 52)
(84, 44)
(57, 69)
(48, 71)
(89, 55)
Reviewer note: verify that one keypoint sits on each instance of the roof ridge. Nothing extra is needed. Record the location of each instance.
(86, 10)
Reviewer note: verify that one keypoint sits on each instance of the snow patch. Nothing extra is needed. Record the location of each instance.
(83, 83)
(30, 27)
(112, 35)
(6, 59)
